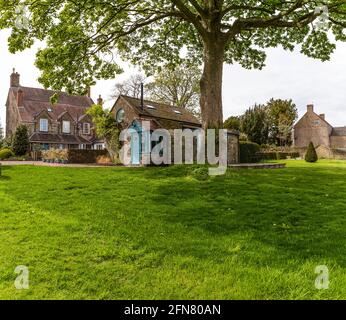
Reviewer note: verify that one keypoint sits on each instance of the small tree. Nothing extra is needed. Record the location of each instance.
(106, 128)
(20, 143)
(311, 155)
(232, 123)
(254, 123)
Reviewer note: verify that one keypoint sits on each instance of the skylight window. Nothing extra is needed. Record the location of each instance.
(177, 112)
(50, 109)
(151, 107)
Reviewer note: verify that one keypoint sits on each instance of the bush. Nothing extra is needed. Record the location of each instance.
(20, 143)
(5, 154)
(248, 151)
(311, 155)
(278, 155)
(201, 174)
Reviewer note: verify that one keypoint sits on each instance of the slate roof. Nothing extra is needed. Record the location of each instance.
(162, 111)
(58, 138)
(339, 131)
(36, 100)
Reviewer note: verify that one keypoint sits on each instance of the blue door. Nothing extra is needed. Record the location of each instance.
(135, 149)
(136, 143)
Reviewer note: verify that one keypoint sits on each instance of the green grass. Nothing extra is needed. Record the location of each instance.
(159, 233)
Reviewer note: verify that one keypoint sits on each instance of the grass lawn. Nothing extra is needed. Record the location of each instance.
(159, 233)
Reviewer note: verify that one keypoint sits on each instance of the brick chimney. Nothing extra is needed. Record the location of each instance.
(15, 77)
(88, 93)
(310, 108)
(20, 96)
(100, 101)
(323, 116)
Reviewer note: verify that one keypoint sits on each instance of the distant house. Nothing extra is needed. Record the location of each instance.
(313, 127)
(131, 112)
(63, 125)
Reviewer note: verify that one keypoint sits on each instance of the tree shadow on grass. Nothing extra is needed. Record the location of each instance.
(294, 212)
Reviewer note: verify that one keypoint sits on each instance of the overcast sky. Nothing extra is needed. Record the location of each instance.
(287, 76)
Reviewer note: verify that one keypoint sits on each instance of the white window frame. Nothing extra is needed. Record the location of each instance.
(64, 129)
(44, 125)
(86, 125)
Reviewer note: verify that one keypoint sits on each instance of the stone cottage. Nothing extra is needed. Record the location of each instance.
(329, 141)
(130, 112)
(63, 125)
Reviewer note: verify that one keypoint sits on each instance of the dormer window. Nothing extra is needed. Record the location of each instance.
(86, 128)
(66, 127)
(43, 125)
(120, 116)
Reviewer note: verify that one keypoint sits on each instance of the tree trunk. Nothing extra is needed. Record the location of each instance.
(211, 84)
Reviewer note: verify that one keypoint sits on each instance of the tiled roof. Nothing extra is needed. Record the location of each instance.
(162, 111)
(58, 138)
(340, 131)
(36, 100)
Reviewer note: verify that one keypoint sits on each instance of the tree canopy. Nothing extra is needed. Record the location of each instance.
(83, 38)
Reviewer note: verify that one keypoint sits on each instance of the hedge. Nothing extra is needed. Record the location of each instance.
(277, 155)
(248, 151)
(5, 154)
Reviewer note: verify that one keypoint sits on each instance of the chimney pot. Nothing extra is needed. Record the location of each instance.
(15, 79)
(323, 116)
(100, 101)
(88, 92)
(310, 108)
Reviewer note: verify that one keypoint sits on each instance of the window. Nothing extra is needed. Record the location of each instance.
(82, 147)
(43, 125)
(316, 122)
(177, 112)
(120, 116)
(86, 128)
(66, 127)
(99, 146)
(151, 107)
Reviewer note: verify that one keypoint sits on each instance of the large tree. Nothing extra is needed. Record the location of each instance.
(83, 37)
(254, 123)
(281, 116)
(177, 86)
(129, 87)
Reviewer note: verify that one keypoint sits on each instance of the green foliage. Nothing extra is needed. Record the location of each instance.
(54, 99)
(201, 173)
(106, 128)
(281, 116)
(82, 38)
(254, 123)
(279, 155)
(5, 153)
(20, 143)
(248, 151)
(232, 123)
(311, 155)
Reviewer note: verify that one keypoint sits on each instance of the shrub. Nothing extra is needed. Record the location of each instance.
(248, 151)
(201, 174)
(20, 143)
(5, 154)
(311, 155)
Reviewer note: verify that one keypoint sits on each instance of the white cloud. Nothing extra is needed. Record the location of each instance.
(287, 75)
